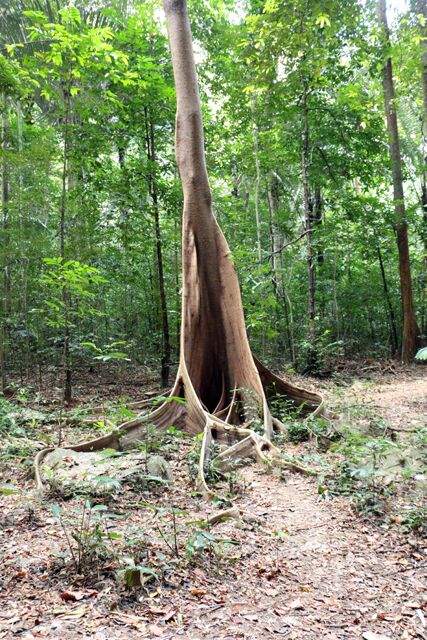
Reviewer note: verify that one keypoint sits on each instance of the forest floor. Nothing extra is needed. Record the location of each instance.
(339, 555)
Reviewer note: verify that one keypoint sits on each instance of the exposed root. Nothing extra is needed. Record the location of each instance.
(297, 468)
(226, 514)
(241, 442)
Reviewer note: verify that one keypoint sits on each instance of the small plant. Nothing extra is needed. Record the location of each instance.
(166, 524)
(136, 575)
(298, 432)
(280, 536)
(359, 473)
(414, 520)
(108, 352)
(87, 539)
(7, 420)
(193, 458)
(203, 542)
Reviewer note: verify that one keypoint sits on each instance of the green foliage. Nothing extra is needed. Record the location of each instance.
(318, 429)
(360, 473)
(77, 281)
(7, 420)
(203, 542)
(107, 352)
(88, 541)
(9, 84)
(421, 355)
(414, 520)
(8, 490)
(91, 93)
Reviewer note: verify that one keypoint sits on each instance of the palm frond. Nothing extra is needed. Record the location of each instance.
(421, 355)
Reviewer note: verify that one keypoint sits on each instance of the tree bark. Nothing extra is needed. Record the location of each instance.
(66, 362)
(422, 10)
(5, 307)
(317, 221)
(392, 320)
(276, 258)
(308, 215)
(257, 184)
(410, 328)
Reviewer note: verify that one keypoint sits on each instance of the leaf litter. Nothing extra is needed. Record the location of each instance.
(327, 573)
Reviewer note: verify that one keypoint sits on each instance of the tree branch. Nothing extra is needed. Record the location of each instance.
(288, 244)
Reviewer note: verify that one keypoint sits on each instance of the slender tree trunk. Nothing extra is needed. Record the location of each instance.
(152, 187)
(274, 245)
(257, 185)
(410, 328)
(22, 258)
(308, 215)
(392, 320)
(335, 297)
(66, 360)
(274, 235)
(276, 261)
(317, 221)
(177, 233)
(124, 211)
(422, 10)
(5, 249)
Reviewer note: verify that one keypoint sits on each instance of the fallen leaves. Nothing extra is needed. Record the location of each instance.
(324, 578)
(74, 596)
(74, 613)
(369, 635)
(156, 631)
(129, 620)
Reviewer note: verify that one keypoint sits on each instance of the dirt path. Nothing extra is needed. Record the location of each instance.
(308, 569)
(402, 401)
(331, 577)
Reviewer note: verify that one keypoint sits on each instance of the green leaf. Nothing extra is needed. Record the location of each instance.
(323, 20)
(56, 510)
(8, 489)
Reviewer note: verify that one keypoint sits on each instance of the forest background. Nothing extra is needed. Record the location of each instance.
(299, 163)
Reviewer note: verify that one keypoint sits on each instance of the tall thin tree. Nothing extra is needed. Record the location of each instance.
(410, 328)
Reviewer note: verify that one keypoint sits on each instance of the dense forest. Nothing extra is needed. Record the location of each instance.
(213, 319)
(328, 253)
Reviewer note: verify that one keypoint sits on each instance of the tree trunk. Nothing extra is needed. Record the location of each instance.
(308, 215)
(257, 184)
(66, 361)
(422, 10)
(5, 308)
(410, 327)
(317, 221)
(177, 230)
(152, 187)
(276, 257)
(392, 320)
(224, 389)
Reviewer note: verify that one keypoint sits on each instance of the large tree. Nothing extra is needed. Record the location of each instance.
(220, 388)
